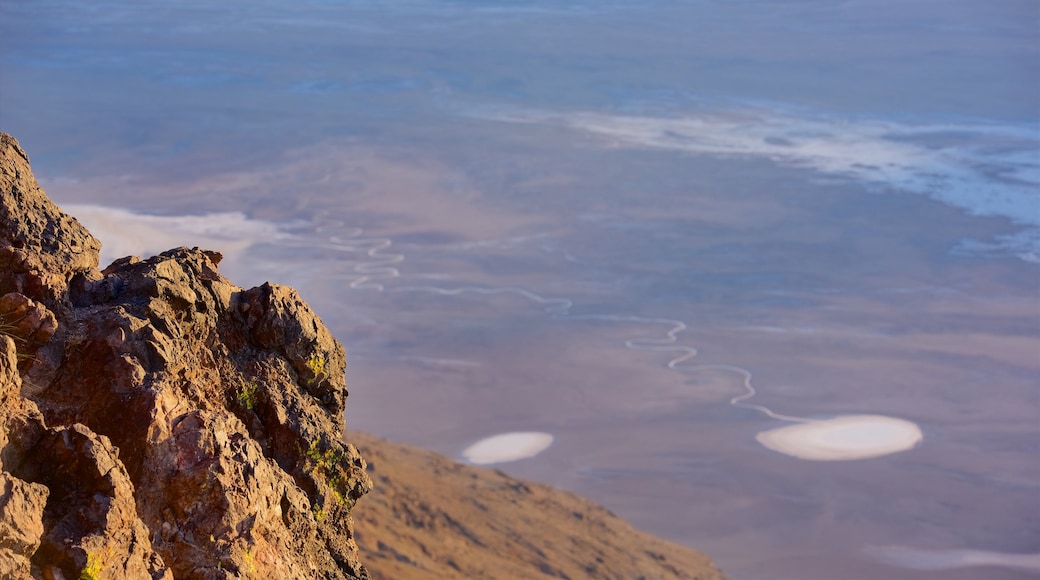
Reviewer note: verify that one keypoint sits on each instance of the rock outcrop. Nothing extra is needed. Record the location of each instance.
(157, 421)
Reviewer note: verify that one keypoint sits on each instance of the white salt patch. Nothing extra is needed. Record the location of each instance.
(507, 447)
(985, 169)
(843, 438)
(916, 559)
(126, 233)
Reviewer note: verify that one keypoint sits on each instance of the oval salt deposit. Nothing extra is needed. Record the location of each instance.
(843, 438)
(507, 447)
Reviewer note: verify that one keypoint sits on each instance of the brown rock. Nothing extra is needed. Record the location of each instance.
(41, 248)
(26, 321)
(279, 320)
(21, 503)
(21, 524)
(91, 520)
(205, 425)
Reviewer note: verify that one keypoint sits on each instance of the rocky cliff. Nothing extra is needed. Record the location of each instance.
(158, 421)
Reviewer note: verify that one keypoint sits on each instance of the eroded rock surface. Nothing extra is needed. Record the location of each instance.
(41, 247)
(158, 421)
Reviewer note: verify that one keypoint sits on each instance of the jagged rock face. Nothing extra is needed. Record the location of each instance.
(197, 426)
(21, 502)
(41, 248)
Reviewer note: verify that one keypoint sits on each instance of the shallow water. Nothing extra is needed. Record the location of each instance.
(605, 222)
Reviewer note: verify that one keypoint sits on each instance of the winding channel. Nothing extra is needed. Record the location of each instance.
(381, 267)
(840, 438)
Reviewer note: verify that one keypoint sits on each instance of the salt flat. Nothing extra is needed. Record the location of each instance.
(507, 447)
(843, 438)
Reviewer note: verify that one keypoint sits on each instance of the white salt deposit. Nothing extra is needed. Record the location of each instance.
(126, 233)
(985, 169)
(507, 447)
(236, 236)
(843, 438)
(916, 559)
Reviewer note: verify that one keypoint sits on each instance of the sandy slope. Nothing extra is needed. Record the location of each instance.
(430, 517)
